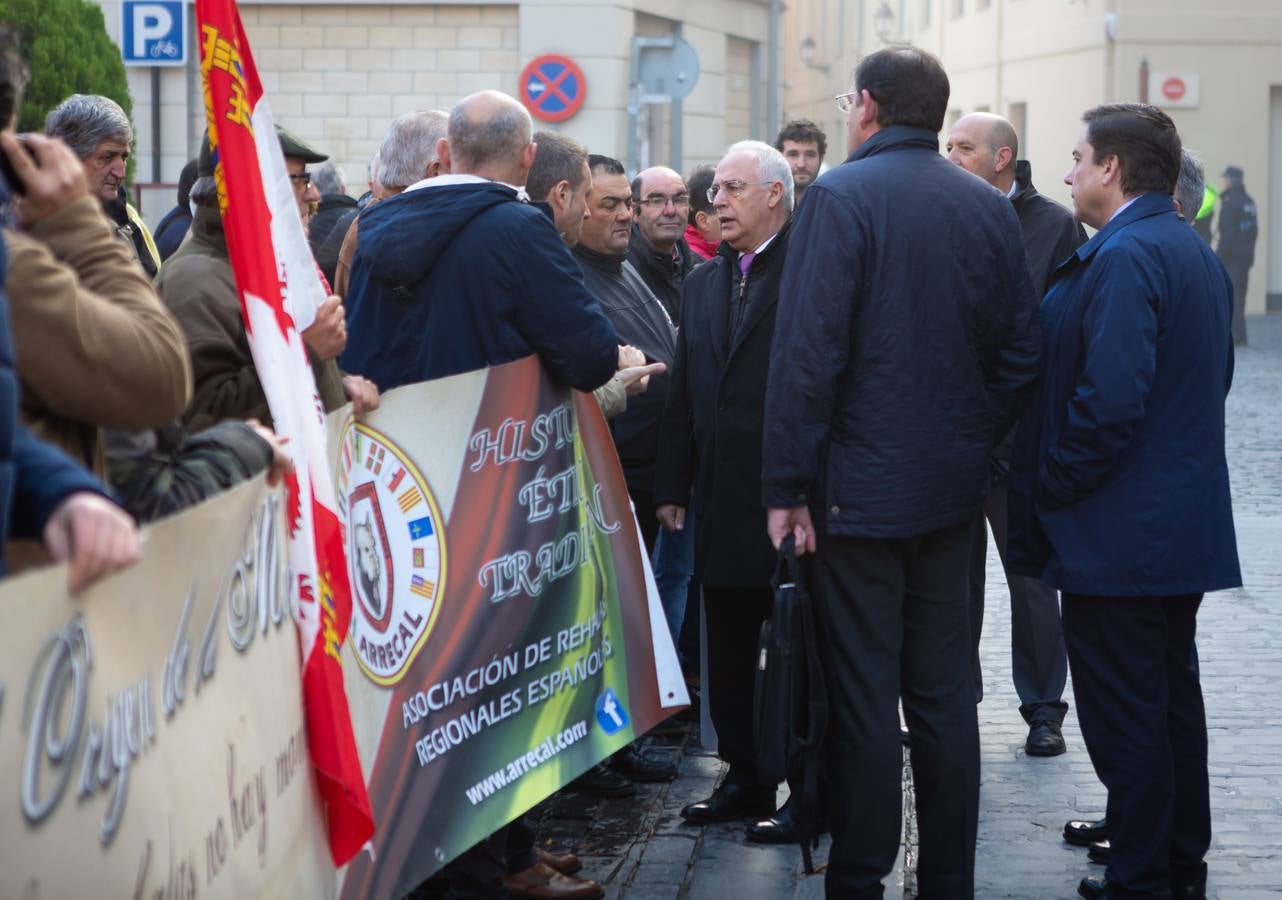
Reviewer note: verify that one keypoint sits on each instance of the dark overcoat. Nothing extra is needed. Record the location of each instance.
(1119, 484)
(711, 434)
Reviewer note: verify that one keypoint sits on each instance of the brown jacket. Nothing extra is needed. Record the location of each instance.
(346, 253)
(95, 347)
(198, 286)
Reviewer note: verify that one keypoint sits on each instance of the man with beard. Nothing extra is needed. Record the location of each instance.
(369, 566)
(804, 145)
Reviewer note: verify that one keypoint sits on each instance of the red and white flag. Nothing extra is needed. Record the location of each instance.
(279, 296)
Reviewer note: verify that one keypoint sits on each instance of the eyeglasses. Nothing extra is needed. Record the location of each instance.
(659, 201)
(846, 101)
(304, 177)
(734, 188)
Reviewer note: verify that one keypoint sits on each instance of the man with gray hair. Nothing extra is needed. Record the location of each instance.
(710, 449)
(98, 130)
(407, 156)
(1190, 190)
(333, 205)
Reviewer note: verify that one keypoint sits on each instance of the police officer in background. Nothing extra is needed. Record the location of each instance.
(1238, 231)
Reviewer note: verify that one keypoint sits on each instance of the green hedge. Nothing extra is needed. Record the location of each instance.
(66, 45)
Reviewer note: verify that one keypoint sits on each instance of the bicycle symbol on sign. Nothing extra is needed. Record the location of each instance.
(166, 49)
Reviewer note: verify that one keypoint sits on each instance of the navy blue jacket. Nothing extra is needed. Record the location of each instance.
(1119, 485)
(456, 278)
(905, 342)
(34, 477)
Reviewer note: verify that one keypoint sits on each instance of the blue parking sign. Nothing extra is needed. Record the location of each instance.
(153, 32)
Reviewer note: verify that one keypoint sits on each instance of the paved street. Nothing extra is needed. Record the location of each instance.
(640, 850)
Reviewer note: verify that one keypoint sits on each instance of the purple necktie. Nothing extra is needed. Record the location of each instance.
(745, 263)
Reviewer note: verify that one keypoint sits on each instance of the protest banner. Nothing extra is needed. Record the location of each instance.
(507, 636)
(506, 632)
(152, 741)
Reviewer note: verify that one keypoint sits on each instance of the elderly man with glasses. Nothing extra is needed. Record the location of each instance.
(710, 451)
(658, 249)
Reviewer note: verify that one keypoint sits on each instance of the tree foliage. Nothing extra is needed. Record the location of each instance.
(66, 45)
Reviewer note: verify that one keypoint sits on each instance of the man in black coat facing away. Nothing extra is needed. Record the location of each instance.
(1239, 227)
(905, 343)
(986, 145)
(711, 442)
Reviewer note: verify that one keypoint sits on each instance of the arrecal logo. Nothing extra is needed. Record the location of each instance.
(610, 714)
(396, 553)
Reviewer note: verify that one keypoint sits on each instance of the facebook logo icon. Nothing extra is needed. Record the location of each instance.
(610, 714)
(153, 32)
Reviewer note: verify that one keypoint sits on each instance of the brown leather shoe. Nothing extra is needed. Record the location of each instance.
(565, 863)
(543, 882)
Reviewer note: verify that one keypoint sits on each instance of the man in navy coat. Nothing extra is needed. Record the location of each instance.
(905, 344)
(1120, 491)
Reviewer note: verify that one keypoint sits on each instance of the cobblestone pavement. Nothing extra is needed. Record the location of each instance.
(639, 849)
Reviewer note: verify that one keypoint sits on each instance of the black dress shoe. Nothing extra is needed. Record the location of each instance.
(633, 765)
(1044, 739)
(1083, 834)
(1098, 853)
(1093, 887)
(601, 781)
(781, 828)
(730, 802)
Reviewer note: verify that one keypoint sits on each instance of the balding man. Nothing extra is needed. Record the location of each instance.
(458, 273)
(986, 145)
(487, 278)
(658, 249)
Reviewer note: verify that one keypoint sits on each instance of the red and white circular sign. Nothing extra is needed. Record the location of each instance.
(1174, 88)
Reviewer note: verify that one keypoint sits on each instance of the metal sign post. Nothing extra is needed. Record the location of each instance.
(663, 69)
(154, 33)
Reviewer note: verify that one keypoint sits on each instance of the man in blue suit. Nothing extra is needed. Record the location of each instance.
(1120, 491)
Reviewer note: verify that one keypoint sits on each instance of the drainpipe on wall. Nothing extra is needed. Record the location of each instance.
(772, 69)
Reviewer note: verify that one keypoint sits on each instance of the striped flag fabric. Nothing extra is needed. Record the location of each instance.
(279, 294)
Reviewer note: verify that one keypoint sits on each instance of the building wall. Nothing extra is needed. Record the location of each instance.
(1052, 60)
(338, 71)
(337, 75)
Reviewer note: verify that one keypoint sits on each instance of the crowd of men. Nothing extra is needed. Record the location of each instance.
(880, 362)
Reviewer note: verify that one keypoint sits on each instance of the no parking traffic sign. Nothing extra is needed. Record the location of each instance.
(553, 88)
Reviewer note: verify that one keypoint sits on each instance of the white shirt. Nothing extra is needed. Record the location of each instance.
(452, 179)
(1121, 208)
(764, 245)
